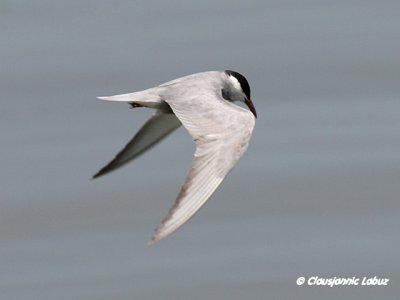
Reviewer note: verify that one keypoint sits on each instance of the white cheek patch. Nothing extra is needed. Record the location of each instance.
(236, 83)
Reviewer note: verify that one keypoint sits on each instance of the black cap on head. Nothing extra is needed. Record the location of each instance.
(242, 80)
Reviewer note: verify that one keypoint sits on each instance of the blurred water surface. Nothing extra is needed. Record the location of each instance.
(317, 194)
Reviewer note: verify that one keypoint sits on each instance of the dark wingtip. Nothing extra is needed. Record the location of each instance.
(97, 175)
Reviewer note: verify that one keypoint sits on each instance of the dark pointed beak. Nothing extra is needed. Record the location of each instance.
(250, 105)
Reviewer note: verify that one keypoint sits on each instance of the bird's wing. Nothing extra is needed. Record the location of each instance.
(222, 132)
(154, 130)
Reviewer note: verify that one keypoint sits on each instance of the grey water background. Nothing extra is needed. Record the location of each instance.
(317, 193)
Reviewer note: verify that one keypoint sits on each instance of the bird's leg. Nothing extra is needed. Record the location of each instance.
(134, 105)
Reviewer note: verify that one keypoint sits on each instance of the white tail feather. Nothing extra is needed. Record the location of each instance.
(123, 97)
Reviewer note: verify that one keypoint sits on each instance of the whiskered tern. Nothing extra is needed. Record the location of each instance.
(203, 103)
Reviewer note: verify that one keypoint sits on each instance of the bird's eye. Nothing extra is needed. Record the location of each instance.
(225, 94)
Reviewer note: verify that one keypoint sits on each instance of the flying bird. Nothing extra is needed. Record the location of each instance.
(221, 130)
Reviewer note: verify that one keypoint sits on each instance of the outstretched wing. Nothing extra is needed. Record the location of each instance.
(222, 133)
(154, 130)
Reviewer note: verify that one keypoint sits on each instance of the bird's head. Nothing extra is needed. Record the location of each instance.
(238, 89)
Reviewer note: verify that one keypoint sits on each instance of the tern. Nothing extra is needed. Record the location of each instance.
(221, 130)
